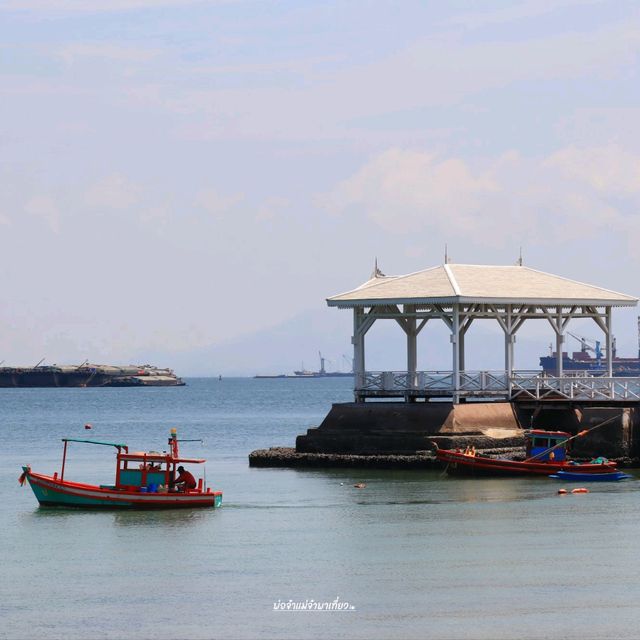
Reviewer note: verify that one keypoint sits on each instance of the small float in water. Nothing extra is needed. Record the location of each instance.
(575, 476)
(546, 454)
(144, 480)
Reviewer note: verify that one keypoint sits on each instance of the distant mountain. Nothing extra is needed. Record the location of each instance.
(296, 342)
(279, 349)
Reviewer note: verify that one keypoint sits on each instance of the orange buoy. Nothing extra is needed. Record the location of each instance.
(580, 490)
(360, 485)
(562, 492)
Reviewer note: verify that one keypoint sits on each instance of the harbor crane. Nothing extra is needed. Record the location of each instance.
(586, 345)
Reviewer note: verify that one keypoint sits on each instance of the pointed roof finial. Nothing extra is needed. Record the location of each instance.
(446, 254)
(376, 272)
(519, 263)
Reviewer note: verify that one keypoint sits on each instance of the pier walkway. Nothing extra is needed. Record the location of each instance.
(497, 385)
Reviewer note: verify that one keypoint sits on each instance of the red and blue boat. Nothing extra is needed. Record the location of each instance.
(546, 454)
(144, 480)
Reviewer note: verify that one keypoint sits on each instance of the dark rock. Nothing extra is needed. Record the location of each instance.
(289, 457)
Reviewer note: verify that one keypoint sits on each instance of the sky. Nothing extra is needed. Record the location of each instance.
(188, 181)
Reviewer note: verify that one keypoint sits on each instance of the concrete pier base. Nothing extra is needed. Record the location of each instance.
(404, 428)
(398, 434)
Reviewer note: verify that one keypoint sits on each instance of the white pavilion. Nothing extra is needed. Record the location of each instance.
(458, 294)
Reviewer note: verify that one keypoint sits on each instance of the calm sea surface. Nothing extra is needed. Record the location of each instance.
(418, 555)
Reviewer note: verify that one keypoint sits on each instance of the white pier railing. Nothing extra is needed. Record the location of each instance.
(534, 385)
(575, 388)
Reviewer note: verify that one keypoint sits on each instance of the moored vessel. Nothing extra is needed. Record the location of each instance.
(303, 373)
(592, 359)
(88, 375)
(546, 454)
(143, 480)
(575, 476)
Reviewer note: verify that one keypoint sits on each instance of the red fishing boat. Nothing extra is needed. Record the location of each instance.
(546, 453)
(144, 480)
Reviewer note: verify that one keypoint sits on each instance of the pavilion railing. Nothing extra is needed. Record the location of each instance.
(572, 385)
(587, 387)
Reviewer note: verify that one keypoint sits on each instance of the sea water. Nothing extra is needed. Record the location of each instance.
(412, 555)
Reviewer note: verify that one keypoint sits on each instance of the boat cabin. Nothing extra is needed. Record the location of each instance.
(143, 471)
(151, 471)
(551, 444)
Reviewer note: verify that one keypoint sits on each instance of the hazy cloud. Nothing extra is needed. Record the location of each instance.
(514, 12)
(95, 6)
(495, 199)
(108, 51)
(400, 189)
(609, 169)
(45, 208)
(217, 204)
(271, 207)
(113, 192)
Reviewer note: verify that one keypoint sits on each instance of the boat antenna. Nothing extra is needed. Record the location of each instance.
(446, 254)
(39, 363)
(519, 263)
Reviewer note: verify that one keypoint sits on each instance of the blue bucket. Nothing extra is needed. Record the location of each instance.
(152, 488)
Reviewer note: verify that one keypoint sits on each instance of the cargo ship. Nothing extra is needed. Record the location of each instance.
(592, 358)
(88, 375)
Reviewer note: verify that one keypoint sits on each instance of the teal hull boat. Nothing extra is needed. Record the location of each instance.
(144, 480)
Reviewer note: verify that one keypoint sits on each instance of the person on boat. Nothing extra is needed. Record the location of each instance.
(184, 482)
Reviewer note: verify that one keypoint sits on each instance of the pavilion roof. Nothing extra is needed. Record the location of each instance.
(467, 283)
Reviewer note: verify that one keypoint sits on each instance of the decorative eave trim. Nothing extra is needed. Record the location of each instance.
(540, 302)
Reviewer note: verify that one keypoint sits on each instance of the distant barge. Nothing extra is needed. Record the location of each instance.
(88, 375)
(304, 373)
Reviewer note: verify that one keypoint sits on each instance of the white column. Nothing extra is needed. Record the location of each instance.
(508, 358)
(609, 343)
(358, 347)
(411, 329)
(509, 339)
(508, 353)
(559, 342)
(455, 341)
